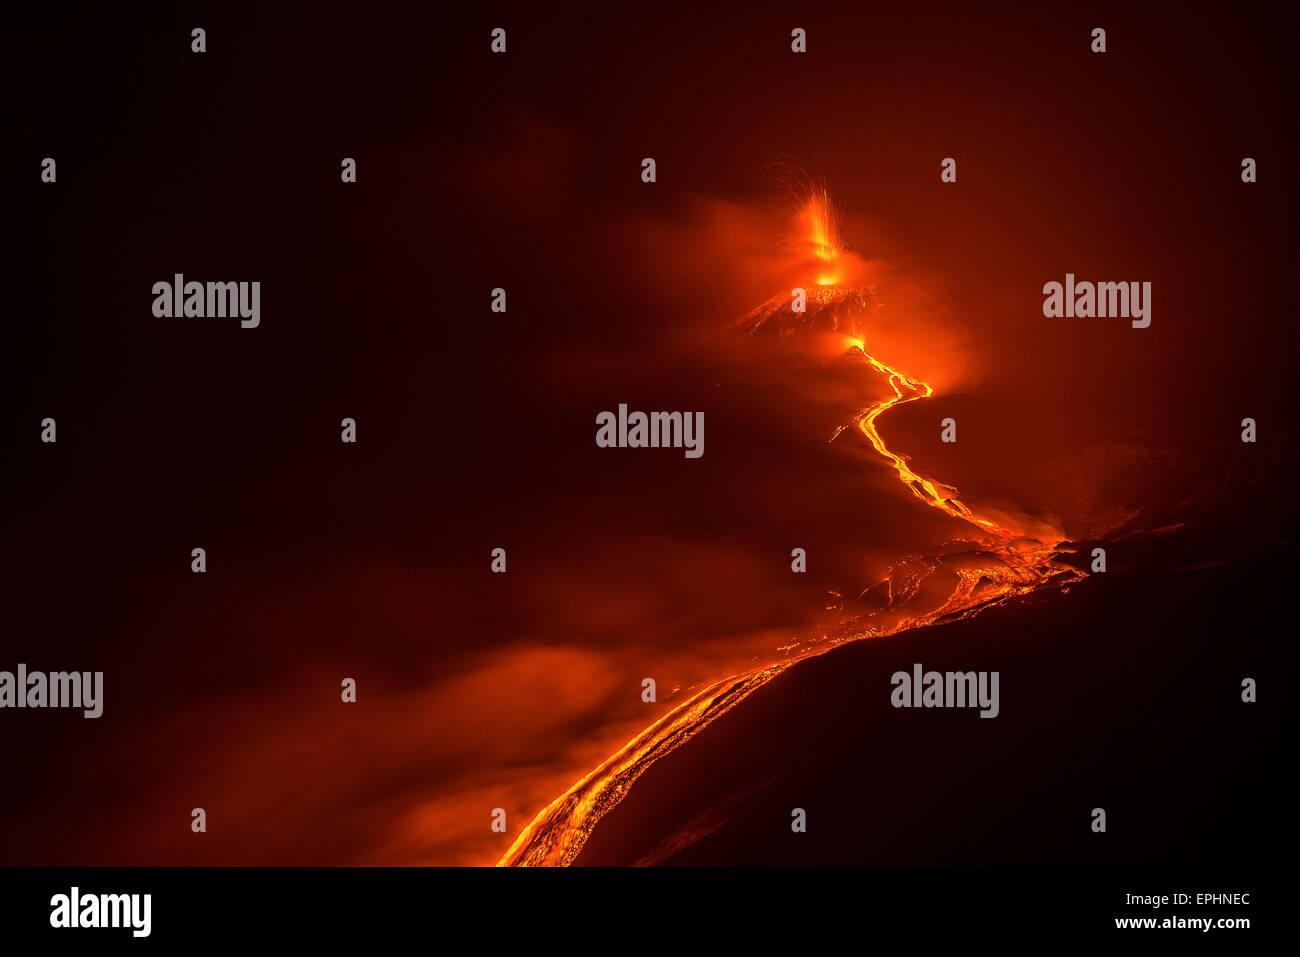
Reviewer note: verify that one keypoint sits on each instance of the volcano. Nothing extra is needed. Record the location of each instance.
(831, 307)
(997, 560)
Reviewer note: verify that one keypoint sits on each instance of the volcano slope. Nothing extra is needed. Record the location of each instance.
(1124, 694)
(1097, 667)
(995, 559)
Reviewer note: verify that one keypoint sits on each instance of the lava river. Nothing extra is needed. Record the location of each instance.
(995, 563)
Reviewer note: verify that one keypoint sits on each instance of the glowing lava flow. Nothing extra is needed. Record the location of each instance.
(908, 390)
(1003, 565)
(999, 564)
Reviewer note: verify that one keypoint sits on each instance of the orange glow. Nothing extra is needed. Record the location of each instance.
(998, 562)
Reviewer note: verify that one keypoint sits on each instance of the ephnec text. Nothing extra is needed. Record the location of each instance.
(1156, 901)
(654, 430)
(214, 300)
(58, 689)
(949, 689)
(103, 910)
(1103, 300)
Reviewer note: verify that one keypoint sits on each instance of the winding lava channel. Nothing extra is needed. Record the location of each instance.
(999, 564)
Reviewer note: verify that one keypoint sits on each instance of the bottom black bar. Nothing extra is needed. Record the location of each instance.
(658, 907)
